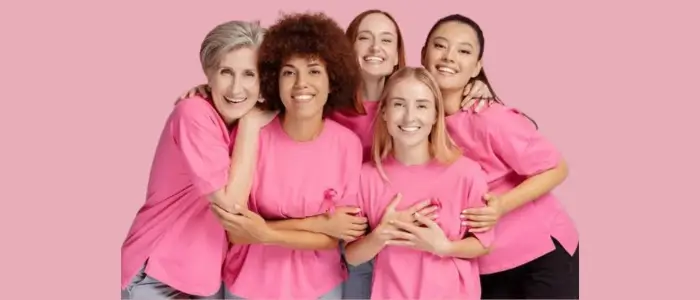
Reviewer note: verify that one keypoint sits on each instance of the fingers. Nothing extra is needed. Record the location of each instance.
(488, 197)
(401, 243)
(425, 221)
(419, 206)
(467, 89)
(427, 210)
(475, 225)
(362, 227)
(477, 211)
(467, 103)
(394, 203)
(406, 226)
(348, 209)
(201, 90)
(244, 211)
(480, 229)
(480, 104)
(480, 218)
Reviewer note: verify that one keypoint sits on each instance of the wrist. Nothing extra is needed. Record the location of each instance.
(446, 249)
(271, 236)
(248, 127)
(316, 224)
(374, 237)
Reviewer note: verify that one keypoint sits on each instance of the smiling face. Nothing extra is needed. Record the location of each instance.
(234, 84)
(304, 87)
(410, 113)
(376, 45)
(452, 55)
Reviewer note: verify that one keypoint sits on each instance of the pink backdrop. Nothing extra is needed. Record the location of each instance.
(88, 87)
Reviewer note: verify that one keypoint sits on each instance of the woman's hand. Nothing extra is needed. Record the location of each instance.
(483, 218)
(426, 208)
(244, 224)
(202, 90)
(429, 237)
(257, 118)
(345, 224)
(476, 96)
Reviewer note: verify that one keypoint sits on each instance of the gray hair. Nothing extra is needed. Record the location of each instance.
(226, 37)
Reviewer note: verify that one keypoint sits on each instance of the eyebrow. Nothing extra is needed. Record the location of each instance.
(310, 65)
(462, 43)
(417, 100)
(383, 32)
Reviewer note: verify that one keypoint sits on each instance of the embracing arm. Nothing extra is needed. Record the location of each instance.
(240, 173)
(470, 247)
(363, 250)
(528, 153)
(534, 187)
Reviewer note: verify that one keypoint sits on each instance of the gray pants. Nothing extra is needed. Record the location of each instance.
(144, 287)
(334, 294)
(359, 283)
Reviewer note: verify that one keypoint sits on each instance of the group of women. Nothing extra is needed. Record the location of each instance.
(314, 164)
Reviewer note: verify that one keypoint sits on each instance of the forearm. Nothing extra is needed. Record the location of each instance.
(240, 178)
(311, 224)
(534, 187)
(302, 240)
(469, 247)
(363, 250)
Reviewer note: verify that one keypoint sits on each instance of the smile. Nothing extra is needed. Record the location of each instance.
(409, 128)
(302, 98)
(446, 70)
(373, 59)
(235, 100)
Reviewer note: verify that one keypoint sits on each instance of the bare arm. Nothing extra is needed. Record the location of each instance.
(363, 250)
(534, 187)
(470, 247)
(243, 158)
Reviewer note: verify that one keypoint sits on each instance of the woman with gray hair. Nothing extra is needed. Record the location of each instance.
(175, 247)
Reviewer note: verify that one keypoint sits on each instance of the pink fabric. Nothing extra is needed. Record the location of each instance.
(404, 273)
(361, 125)
(174, 230)
(510, 149)
(295, 180)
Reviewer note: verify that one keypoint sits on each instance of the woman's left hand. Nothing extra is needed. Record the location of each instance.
(430, 238)
(243, 224)
(480, 219)
(476, 96)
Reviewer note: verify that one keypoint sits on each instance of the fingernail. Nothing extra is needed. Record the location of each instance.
(464, 223)
(462, 217)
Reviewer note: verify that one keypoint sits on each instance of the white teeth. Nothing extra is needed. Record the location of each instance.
(409, 128)
(447, 70)
(373, 59)
(235, 100)
(302, 97)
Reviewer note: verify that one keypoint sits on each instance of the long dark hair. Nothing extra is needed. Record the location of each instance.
(480, 37)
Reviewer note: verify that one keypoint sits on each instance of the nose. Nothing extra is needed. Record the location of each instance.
(374, 47)
(300, 81)
(448, 55)
(236, 85)
(409, 114)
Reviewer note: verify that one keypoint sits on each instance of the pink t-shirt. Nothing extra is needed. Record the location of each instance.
(295, 180)
(510, 149)
(404, 273)
(175, 230)
(361, 125)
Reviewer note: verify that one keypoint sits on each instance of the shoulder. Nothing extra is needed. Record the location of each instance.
(468, 169)
(501, 117)
(342, 134)
(194, 108)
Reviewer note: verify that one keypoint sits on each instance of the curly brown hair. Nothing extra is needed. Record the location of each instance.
(312, 35)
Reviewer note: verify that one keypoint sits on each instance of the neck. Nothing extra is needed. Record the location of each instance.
(302, 130)
(412, 155)
(372, 87)
(452, 100)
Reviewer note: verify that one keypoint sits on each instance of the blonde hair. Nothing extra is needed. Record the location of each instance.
(442, 147)
(226, 37)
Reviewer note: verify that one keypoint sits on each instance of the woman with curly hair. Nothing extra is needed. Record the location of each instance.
(285, 243)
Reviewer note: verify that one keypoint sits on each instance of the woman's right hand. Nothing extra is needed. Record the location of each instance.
(344, 224)
(201, 90)
(425, 208)
(257, 118)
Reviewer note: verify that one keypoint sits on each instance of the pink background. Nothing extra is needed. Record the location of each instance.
(88, 87)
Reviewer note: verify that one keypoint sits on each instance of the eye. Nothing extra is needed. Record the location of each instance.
(397, 104)
(315, 71)
(287, 73)
(250, 74)
(226, 72)
(422, 106)
(438, 45)
(362, 38)
(465, 52)
(388, 41)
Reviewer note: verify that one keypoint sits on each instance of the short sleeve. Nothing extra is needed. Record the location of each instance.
(202, 139)
(515, 140)
(477, 188)
(352, 166)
